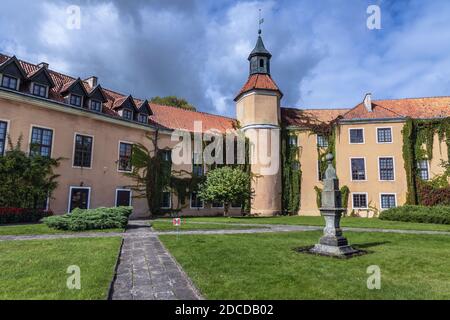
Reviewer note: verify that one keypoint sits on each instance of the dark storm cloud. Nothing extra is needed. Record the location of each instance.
(323, 53)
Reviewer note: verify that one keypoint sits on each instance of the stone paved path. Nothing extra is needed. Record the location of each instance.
(147, 271)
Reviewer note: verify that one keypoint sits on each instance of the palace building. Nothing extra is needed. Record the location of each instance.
(93, 129)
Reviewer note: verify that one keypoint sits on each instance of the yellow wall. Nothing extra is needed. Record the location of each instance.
(371, 150)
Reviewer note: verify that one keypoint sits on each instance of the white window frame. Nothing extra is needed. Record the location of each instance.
(213, 207)
(73, 105)
(92, 151)
(118, 156)
(31, 136)
(95, 100)
(365, 169)
(323, 137)
(123, 189)
(392, 135)
(139, 118)
(367, 200)
(70, 196)
(9, 76)
(387, 194)
(190, 202)
(8, 124)
(428, 169)
(42, 85)
(170, 200)
(393, 167)
(350, 139)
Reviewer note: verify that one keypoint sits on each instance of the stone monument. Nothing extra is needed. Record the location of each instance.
(333, 243)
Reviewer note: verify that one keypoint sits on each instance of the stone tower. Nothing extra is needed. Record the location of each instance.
(258, 113)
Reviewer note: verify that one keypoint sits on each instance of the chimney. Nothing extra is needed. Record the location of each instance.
(368, 102)
(43, 65)
(92, 81)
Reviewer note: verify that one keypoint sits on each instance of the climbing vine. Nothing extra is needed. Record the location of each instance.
(291, 173)
(418, 143)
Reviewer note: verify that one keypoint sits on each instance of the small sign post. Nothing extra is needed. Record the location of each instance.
(177, 223)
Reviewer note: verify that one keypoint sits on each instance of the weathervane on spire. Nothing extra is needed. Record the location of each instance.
(261, 21)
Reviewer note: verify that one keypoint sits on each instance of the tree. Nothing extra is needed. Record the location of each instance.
(26, 181)
(174, 102)
(226, 185)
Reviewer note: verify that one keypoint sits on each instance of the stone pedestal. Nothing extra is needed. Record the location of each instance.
(333, 243)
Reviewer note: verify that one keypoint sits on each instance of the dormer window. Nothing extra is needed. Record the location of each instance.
(39, 90)
(127, 114)
(96, 106)
(143, 118)
(75, 100)
(9, 82)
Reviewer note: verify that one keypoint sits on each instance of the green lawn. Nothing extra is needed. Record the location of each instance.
(318, 221)
(37, 229)
(264, 266)
(166, 225)
(37, 269)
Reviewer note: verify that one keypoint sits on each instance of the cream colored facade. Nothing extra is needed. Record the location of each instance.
(103, 178)
(371, 151)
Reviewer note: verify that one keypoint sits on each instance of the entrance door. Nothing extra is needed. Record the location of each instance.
(123, 198)
(79, 198)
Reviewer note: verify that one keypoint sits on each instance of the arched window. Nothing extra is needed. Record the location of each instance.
(261, 63)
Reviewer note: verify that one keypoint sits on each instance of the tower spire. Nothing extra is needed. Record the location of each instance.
(260, 22)
(260, 57)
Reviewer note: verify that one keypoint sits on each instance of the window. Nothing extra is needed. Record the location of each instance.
(125, 153)
(83, 151)
(358, 169)
(166, 202)
(39, 90)
(123, 198)
(261, 63)
(143, 118)
(422, 170)
(384, 135)
(356, 135)
(79, 198)
(96, 106)
(197, 166)
(322, 141)
(166, 155)
(387, 169)
(236, 204)
(41, 142)
(9, 82)
(359, 201)
(75, 100)
(293, 141)
(196, 202)
(320, 173)
(127, 114)
(388, 201)
(3, 130)
(217, 204)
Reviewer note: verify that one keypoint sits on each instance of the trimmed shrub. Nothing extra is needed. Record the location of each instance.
(420, 214)
(18, 215)
(92, 219)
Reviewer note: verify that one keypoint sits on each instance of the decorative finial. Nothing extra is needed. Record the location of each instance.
(329, 157)
(261, 21)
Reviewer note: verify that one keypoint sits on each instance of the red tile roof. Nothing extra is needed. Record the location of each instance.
(304, 117)
(258, 81)
(163, 116)
(417, 108)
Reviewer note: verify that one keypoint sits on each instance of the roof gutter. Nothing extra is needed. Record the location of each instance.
(65, 108)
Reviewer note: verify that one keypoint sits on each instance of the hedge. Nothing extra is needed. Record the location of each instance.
(92, 219)
(420, 214)
(18, 215)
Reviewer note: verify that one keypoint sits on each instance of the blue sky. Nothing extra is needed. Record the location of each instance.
(324, 55)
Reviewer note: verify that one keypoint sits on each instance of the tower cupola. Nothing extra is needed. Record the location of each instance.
(260, 58)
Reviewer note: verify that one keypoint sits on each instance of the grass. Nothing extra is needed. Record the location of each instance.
(38, 229)
(35, 270)
(318, 221)
(264, 266)
(165, 225)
